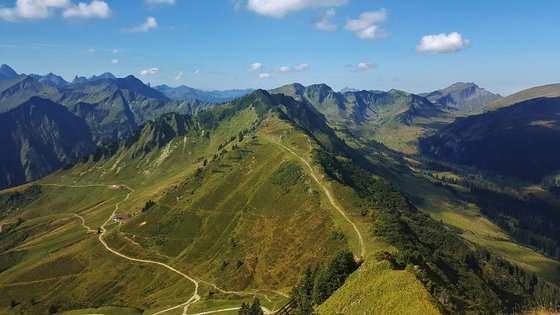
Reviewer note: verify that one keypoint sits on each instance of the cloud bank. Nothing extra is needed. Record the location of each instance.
(42, 9)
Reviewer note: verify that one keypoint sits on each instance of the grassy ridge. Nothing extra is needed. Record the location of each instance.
(224, 220)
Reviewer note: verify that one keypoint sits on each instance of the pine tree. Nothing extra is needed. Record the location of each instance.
(245, 309)
(253, 309)
(256, 307)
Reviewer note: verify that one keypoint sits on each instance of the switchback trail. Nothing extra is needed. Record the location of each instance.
(329, 196)
(194, 298)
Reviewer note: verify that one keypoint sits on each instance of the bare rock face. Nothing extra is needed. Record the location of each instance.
(462, 96)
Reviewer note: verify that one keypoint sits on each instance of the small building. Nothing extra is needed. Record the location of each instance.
(120, 217)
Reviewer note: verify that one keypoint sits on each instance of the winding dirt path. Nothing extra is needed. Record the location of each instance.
(84, 223)
(329, 195)
(193, 299)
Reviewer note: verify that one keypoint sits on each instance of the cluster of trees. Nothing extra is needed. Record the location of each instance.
(53, 309)
(149, 204)
(319, 283)
(530, 221)
(17, 200)
(251, 309)
(462, 278)
(552, 184)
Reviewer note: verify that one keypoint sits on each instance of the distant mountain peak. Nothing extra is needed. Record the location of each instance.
(6, 68)
(50, 79)
(183, 92)
(463, 85)
(7, 73)
(349, 89)
(462, 96)
(106, 75)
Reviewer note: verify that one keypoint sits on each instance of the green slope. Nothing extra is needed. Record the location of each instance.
(227, 223)
(247, 216)
(549, 90)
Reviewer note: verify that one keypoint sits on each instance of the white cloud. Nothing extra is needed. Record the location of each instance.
(115, 61)
(264, 75)
(149, 71)
(363, 66)
(196, 72)
(442, 43)
(32, 9)
(91, 50)
(257, 66)
(371, 32)
(301, 67)
(324, 22)
(42, 9)
(116, 51)
(95, 9)
(365, 27)
(296, 68)
(179, 76)
(160, 1)
(151, 23)
(366, 19)
(279, 8)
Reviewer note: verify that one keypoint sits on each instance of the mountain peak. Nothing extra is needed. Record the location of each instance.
(6, 68)
(106, 75)
(462, 85)
(50, 79)
(349, 89)
(462, 96)
(7, 73)
(321, 87)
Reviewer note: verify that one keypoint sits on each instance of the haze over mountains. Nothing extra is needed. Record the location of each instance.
(113, 107)
(183, 92)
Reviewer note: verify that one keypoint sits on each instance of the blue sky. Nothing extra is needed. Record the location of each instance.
(416, 46)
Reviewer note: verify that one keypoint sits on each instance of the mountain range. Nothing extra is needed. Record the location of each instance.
(183, 92)
(110, 108)
(377, 115)
(280, 194)
(114, 107)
